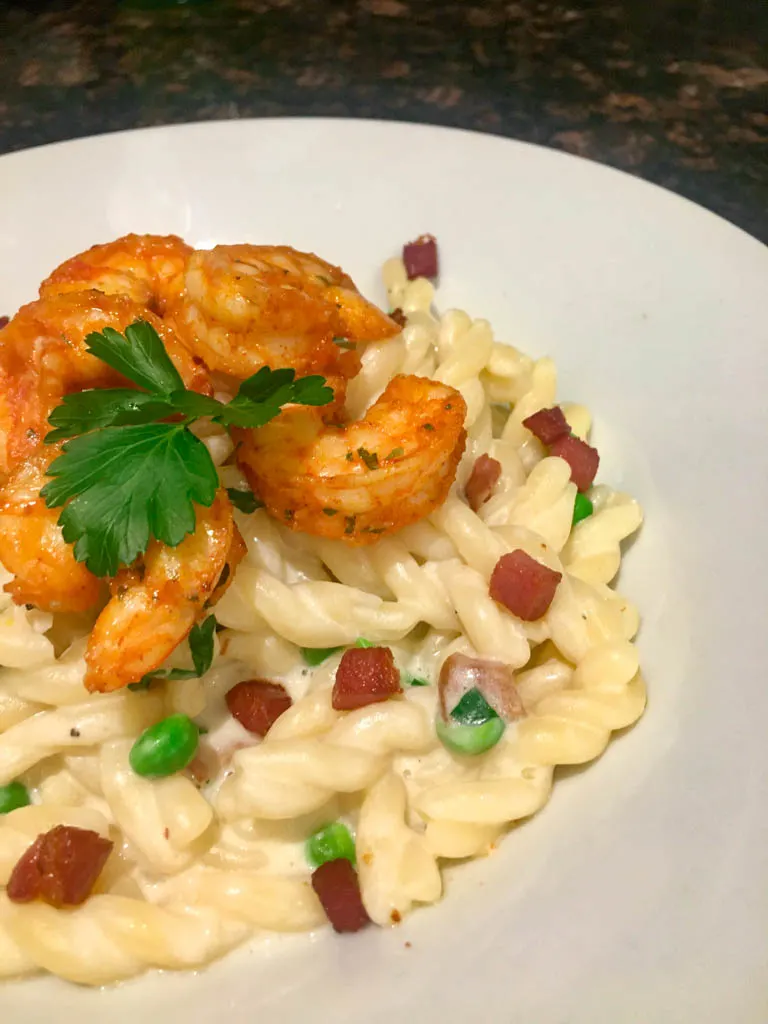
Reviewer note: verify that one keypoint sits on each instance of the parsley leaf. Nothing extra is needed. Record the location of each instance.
(245, 501)
(125, 484)
(168, 674)
(104, 407)
(371, 459)
(410, 680)
(201, 649)
(201, 645)
(261, 396)
(125, 475)
(473, 709)
(139, 355)
(195, 406)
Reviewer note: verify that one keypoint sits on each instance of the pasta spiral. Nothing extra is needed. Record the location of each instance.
(286, 778)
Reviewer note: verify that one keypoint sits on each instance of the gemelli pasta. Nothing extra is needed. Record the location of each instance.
(205, 858)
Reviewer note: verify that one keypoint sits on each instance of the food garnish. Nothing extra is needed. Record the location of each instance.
(131, 468)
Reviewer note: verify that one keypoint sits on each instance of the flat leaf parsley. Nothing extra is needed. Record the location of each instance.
(201, 649)
(126, 474)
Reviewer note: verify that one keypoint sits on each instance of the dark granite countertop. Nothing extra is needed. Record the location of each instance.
(675, 91)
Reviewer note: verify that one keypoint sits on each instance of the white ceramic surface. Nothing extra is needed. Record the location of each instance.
(640, 894)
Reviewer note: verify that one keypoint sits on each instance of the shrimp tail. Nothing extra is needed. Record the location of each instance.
(155, 604)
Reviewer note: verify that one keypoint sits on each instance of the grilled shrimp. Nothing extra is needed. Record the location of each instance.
(371, 477)
(32, 547)
(43, 356)
(154, 605)
(249, 306)
(149, 269)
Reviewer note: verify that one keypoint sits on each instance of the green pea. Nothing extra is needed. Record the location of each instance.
(331, 843)
(165, 747)
(13, 796)
(582, 508)
(470, 739)
(314, 656)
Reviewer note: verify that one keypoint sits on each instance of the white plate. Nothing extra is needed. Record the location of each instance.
(641, 892)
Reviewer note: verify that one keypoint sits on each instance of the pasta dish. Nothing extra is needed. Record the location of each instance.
(302, 601)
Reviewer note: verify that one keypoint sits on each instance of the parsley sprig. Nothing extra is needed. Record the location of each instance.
(200, 647)
(130, 468)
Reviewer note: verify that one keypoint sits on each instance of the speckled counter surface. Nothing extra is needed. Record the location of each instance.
(675, 91)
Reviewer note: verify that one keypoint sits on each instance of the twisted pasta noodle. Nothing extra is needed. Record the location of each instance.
(570, 726)
(208, 911)
(593, 552)
(110, 938)
(14, 709)
(56, 682)
(267, 844)
(407, 295)
(491, 630)
(312, 715)
(427, 542)
(444, 593)
(185, 697)
(481, 547)
(162, 818)
(234, 848)
(388, 569)
(513, 476)
(315, 614)
(579, 419)
(351, 566)
(13, 961)
(22, 640)
(259, 900)
(85, 768)
(463, 816)
(508, 373)
(583, 616)
(287, 778)
(574, 725)
(414, 584)
(426, 652)
(464, 346)
(541, 395)
(54, 783)
(395, 866)
(476, 543)
(549, 676)
(262, 651)
(75, 725)
(276, 551)
(381, 361)
(543, 504)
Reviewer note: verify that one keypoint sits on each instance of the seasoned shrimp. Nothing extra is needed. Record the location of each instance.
(32, 546)
(154, 605)
(365, 479)
(149, 269)
(43, 356)
(249, 306)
